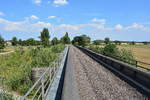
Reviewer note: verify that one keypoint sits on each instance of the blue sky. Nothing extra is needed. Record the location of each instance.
(117, 19)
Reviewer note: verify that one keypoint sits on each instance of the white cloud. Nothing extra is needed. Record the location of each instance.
(51, 17)
(102, 21)
(37, 1)
(2, 14)
(137, 26)
(93, 29)
(67, 26)
(118, 27)
(33, 17)
(23, 26)
(60, 2)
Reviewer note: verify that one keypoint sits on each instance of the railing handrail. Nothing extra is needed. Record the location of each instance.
(40, 80)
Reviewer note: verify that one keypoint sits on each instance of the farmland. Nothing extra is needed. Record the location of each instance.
(140, 52)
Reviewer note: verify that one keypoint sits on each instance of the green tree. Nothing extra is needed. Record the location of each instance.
(132, 43)
(97, 42)
(14, 41)
(65, 39)
(2, 44)
(82, 40)
(30, 42)
(107, 40)
(145, 42)
(110, 50)
(45, 37)
(55, 41)
(117, 42)
(20, 42)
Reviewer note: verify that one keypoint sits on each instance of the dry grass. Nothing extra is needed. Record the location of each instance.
(141, 52)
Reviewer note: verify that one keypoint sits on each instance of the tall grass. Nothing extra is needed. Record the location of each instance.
(15, 70)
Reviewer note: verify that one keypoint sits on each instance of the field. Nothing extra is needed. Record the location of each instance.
(140, 52)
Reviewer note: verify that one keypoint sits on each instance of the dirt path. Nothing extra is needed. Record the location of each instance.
(94, 82)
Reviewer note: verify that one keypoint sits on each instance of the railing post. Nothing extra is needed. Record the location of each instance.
(42, 82)
(50, 74)
(136, 63)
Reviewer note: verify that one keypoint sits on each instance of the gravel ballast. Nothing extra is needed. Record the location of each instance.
(94, 82)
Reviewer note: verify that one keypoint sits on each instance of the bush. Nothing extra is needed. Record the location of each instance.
(58, 48)
(5, 96)
(111, 50)
(16, 68)
(96, 48)
(127, 56)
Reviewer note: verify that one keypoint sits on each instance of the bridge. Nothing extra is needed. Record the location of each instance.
(81, 74)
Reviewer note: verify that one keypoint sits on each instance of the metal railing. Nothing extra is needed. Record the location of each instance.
(41, 87)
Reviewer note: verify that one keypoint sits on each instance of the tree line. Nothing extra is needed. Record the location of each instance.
(44, 40)
(81, 40)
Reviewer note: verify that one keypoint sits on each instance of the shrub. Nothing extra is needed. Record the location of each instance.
(58, 48)
(127, 56)
(5, 96)
(16, 68)
(110, 50)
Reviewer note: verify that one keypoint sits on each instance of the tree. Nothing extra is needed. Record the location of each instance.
(117, 42)
(82, 40)
(65, 39)
(97, 42)
(20, 42)
(45, 37)
(14, 41)
(30, 42)
(132, 43)
(145, 42)
(2, 44)
(107, 40)
(54, 41)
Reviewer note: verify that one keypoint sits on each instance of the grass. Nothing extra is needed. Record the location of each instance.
(16, 68)
(140, 52)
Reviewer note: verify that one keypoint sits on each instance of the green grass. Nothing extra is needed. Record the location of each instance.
(16, 68)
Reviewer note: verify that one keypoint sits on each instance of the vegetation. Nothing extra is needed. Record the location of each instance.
(117, 42)
(14, 41)
(15, 73)
(5, 96)
(141, 52)
(107, 40)
(98, 42)
(16, 68)
(65, 39)
(45, 37)
(2, 44)
(54, 41)
(82, 40)
(111, 50)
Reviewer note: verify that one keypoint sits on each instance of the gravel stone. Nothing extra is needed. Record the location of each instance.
(94, 82)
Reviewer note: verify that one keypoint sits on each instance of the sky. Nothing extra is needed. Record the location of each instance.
(126, 20)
